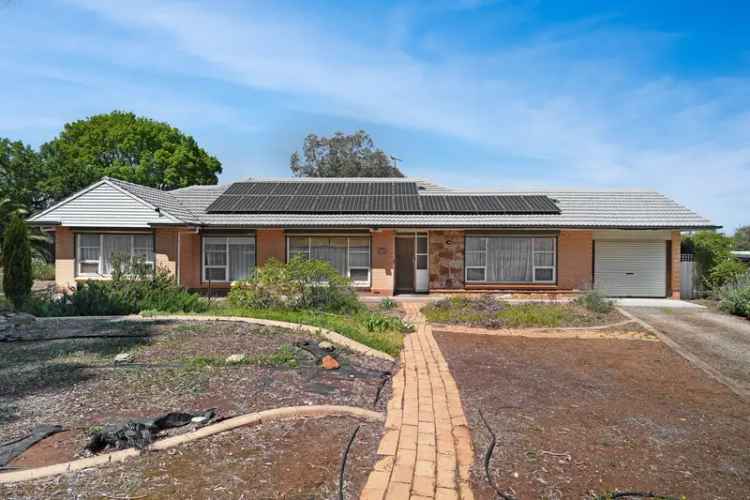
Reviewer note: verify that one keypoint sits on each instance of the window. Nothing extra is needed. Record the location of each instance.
(510, 259)
(95, 253)
(350, 256)
(421, 251)
(227, 258)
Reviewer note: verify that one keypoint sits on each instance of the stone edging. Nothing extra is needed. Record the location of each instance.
(286, 413)
(330, 335)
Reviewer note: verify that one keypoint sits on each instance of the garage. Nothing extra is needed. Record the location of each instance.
(631, 268)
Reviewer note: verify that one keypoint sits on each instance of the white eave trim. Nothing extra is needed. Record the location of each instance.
(95, 185)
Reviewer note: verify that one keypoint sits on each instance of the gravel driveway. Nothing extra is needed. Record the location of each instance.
(722, 342)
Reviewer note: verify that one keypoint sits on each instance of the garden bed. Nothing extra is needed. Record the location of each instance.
(286, 459)
(581, 417)
(488, 312)
(177, 366)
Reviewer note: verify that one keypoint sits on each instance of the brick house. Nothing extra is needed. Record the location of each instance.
(388, 235)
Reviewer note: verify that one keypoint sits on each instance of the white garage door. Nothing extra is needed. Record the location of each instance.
(631, 268)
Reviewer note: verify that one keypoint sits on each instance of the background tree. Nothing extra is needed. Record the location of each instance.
(127, 147)
(713, 257)
(342, 156)
(21, 173)
(742, 238)
(17, 279)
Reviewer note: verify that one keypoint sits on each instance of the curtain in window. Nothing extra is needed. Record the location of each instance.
(143, 247)
(89, 247)
(509, 260)
(331, 250)
(115, 245)
(241, 260)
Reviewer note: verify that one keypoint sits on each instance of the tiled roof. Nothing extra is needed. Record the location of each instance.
(579, 209)
(605, 209)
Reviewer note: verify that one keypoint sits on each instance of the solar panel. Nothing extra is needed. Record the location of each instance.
(238, 188)
(381, 188)
(542, 204)
(489, 204)
(249, 204)
(309, 189)
(367, 197)
(514, 204)
(287, 188)
(276, 203)
(408, 204)
(357, 189)
(460, 204)
(328, 204)
(301, 204)
(354, 204)
(404, 188)
(381, 204)
(332, 189)
(223, 203)
(433, 204)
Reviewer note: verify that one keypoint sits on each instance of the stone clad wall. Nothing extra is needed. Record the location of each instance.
(446, 259)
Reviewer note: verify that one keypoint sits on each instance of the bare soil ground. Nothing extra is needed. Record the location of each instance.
(721, 340)
(291, 460)
(630, 415)
(74, 383)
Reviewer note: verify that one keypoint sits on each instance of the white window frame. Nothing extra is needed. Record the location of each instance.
(534, 267)
(478, 252)
(227, 241)
(308, 252)
(100, 261)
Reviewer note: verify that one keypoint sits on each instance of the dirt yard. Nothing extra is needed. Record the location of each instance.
(179, 366)
(580, 417)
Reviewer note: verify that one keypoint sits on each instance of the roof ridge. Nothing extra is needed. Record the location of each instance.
(127, 184)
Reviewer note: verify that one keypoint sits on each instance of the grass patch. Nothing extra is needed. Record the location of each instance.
(285, 356)
(488, 312)
(385, 336)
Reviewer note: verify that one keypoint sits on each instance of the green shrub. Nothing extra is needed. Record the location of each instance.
(388, 304)
(596, 302)
(726, 272)
(713, 257)
(299, 284)
(134, 288)
(17, 278)
(382, 323)
(348, 325)
(41, 270)
(734, 297)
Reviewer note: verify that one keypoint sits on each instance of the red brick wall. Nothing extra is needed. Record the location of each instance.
(575, 260)
(675, 277)
(190, 260)
(270, 243)
(383, 261)
(165, 249)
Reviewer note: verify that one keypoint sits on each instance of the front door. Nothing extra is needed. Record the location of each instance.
(405, 264)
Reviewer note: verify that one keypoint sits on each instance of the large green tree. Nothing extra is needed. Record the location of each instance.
(21, 174)
(742, 238)
(127, 147)
(342, 155)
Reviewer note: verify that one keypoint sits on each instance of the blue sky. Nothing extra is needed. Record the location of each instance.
(468, 93)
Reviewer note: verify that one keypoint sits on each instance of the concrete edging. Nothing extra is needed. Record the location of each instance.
(330, 335)
(286, 413)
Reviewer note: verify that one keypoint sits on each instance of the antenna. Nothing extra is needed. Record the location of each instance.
(395, 160)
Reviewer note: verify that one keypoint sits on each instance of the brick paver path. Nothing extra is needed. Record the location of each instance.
(426, 450)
